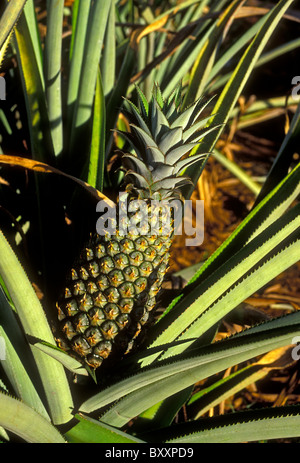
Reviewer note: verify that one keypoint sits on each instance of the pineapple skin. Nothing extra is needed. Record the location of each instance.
(110, 294)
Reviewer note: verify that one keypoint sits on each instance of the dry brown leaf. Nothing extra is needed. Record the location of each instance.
(277, 359)
(37, 166)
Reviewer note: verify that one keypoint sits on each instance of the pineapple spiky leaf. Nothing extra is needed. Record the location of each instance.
(143, 101)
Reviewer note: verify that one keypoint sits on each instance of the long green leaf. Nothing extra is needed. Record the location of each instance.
(164, 412)
(90, 431)
(264, 59)
(79, 32)
(213, 395)
(29, 12)
(230, 53)
(34, 323)
(63, 357)
(115, 100)
(82, 117)
(14, 364)
(236, 83)
(193, 13)
(267, 104)
(97, 154)
(207, 354)
(19, 418)
(250, 283)
(265, 213)
(204, 62)
(284, 157)
(52, 71)
(184, 58)
(29, 60)
(9, 19)
(230, 282)
(19, 379)
(237, 171)
(108, 61)
(246, 426)
(158, 382)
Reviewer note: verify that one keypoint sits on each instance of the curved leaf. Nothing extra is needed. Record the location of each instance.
(9, 19)
(248, 426)
(152, 384)
(22, 420)
(34, 322)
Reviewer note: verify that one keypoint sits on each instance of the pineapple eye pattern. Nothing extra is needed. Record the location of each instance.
(94, 361)
(81, 346)
(127, 290)
(91, 287)
(87, 254)
(150, 254)
(131, 273)
(140, 285)
(67, 293)
(141, 244)
(113, 248)
(123, 320)
(71, 308)
(79, 288)
(127, 245)
(136, 258)
(81, 322)
(107, 302)
(93, 335)
(145, 269)
(126, 305)
(111, 311)
(103, 349)
(60, 314)
(102, 282)
(121, 261)
(85, 302)
(96, 316)
(74, 275)
(84, 274)
(99, 299)
(116, 277)
(69, 330)
(112, 294)
(100, 251)
(109, 329)
(106, 264)
(93, 269)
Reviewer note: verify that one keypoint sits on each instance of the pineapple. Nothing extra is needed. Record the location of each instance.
(112, 289)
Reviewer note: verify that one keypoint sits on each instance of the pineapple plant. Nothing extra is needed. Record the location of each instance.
(112, 289)
(37, 400)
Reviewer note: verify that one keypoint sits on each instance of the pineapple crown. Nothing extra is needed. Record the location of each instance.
(162, 133)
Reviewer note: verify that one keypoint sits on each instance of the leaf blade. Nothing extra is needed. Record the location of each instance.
(34, 323)
(22, 420)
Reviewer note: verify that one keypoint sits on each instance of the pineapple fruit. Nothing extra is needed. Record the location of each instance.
(112, 288)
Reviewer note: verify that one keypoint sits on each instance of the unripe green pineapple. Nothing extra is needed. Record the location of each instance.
(112, 288)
